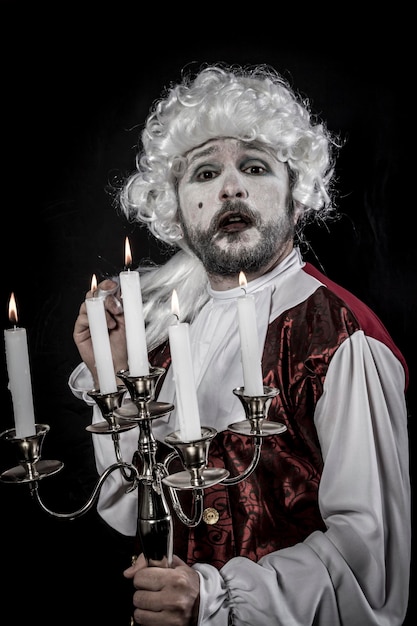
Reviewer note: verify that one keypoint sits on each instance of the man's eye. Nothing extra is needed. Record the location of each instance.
(255, 169)
(205, 175)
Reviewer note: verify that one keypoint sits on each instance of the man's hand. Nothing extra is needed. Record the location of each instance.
(164, 596)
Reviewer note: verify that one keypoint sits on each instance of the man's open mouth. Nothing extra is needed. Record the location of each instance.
(234, 222)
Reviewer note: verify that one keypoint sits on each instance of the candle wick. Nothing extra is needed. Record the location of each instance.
(244, 290)
(176, 316)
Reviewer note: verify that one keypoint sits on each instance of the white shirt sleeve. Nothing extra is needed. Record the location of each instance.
(117, 507)
(357, 572)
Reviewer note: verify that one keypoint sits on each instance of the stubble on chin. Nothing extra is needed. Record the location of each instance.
(250, 250)
(227, 254)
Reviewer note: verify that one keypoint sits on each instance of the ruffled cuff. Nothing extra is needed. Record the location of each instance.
(81, 382)
(214, 597)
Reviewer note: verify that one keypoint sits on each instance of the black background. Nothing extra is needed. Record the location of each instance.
(76, 88)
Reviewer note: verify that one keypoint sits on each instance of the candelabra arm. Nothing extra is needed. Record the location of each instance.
(122, 465)
(234, 480)
(198, 506)
(87, 506)
(168, 459)
(198, 498)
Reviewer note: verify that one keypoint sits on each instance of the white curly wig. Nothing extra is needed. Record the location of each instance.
(247, 103)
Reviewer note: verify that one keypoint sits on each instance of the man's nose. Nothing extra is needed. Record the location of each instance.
(233, 187)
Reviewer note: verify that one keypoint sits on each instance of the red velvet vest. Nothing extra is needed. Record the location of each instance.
(277, 505)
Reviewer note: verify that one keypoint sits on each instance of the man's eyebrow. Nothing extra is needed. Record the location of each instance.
(212, 149)
(202, 153)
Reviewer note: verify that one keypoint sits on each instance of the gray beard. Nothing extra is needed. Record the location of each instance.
(239, 256)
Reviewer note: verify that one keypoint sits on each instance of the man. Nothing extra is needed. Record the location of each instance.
(232, 167)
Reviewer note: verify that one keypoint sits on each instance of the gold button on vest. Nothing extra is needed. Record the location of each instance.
(210, 515)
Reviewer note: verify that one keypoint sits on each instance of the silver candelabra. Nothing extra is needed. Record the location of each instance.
(144, 472)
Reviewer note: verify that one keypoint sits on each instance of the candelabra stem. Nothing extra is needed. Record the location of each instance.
(147, 447)
(154, 524)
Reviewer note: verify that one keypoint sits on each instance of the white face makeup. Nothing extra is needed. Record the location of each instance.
(234, 199)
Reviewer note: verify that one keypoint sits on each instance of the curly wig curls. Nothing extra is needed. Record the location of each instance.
(250, 104)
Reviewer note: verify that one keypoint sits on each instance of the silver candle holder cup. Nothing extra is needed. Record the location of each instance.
(108, 403)
(256, 410)
(28, 453)
(194, 457)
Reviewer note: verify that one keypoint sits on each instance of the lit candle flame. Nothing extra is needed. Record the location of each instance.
(242, 281)
(128, 253)
(175, 307)
(12, 309)
(93, 283)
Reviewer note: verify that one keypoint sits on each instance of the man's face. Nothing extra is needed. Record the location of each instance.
(234, 206)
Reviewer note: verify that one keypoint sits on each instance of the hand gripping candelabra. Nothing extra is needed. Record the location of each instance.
(154, 524)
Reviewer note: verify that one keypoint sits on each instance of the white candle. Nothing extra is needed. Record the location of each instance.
(101, 343)
(251, 357)
(20, 382)
(137, 352)
(186, 395)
